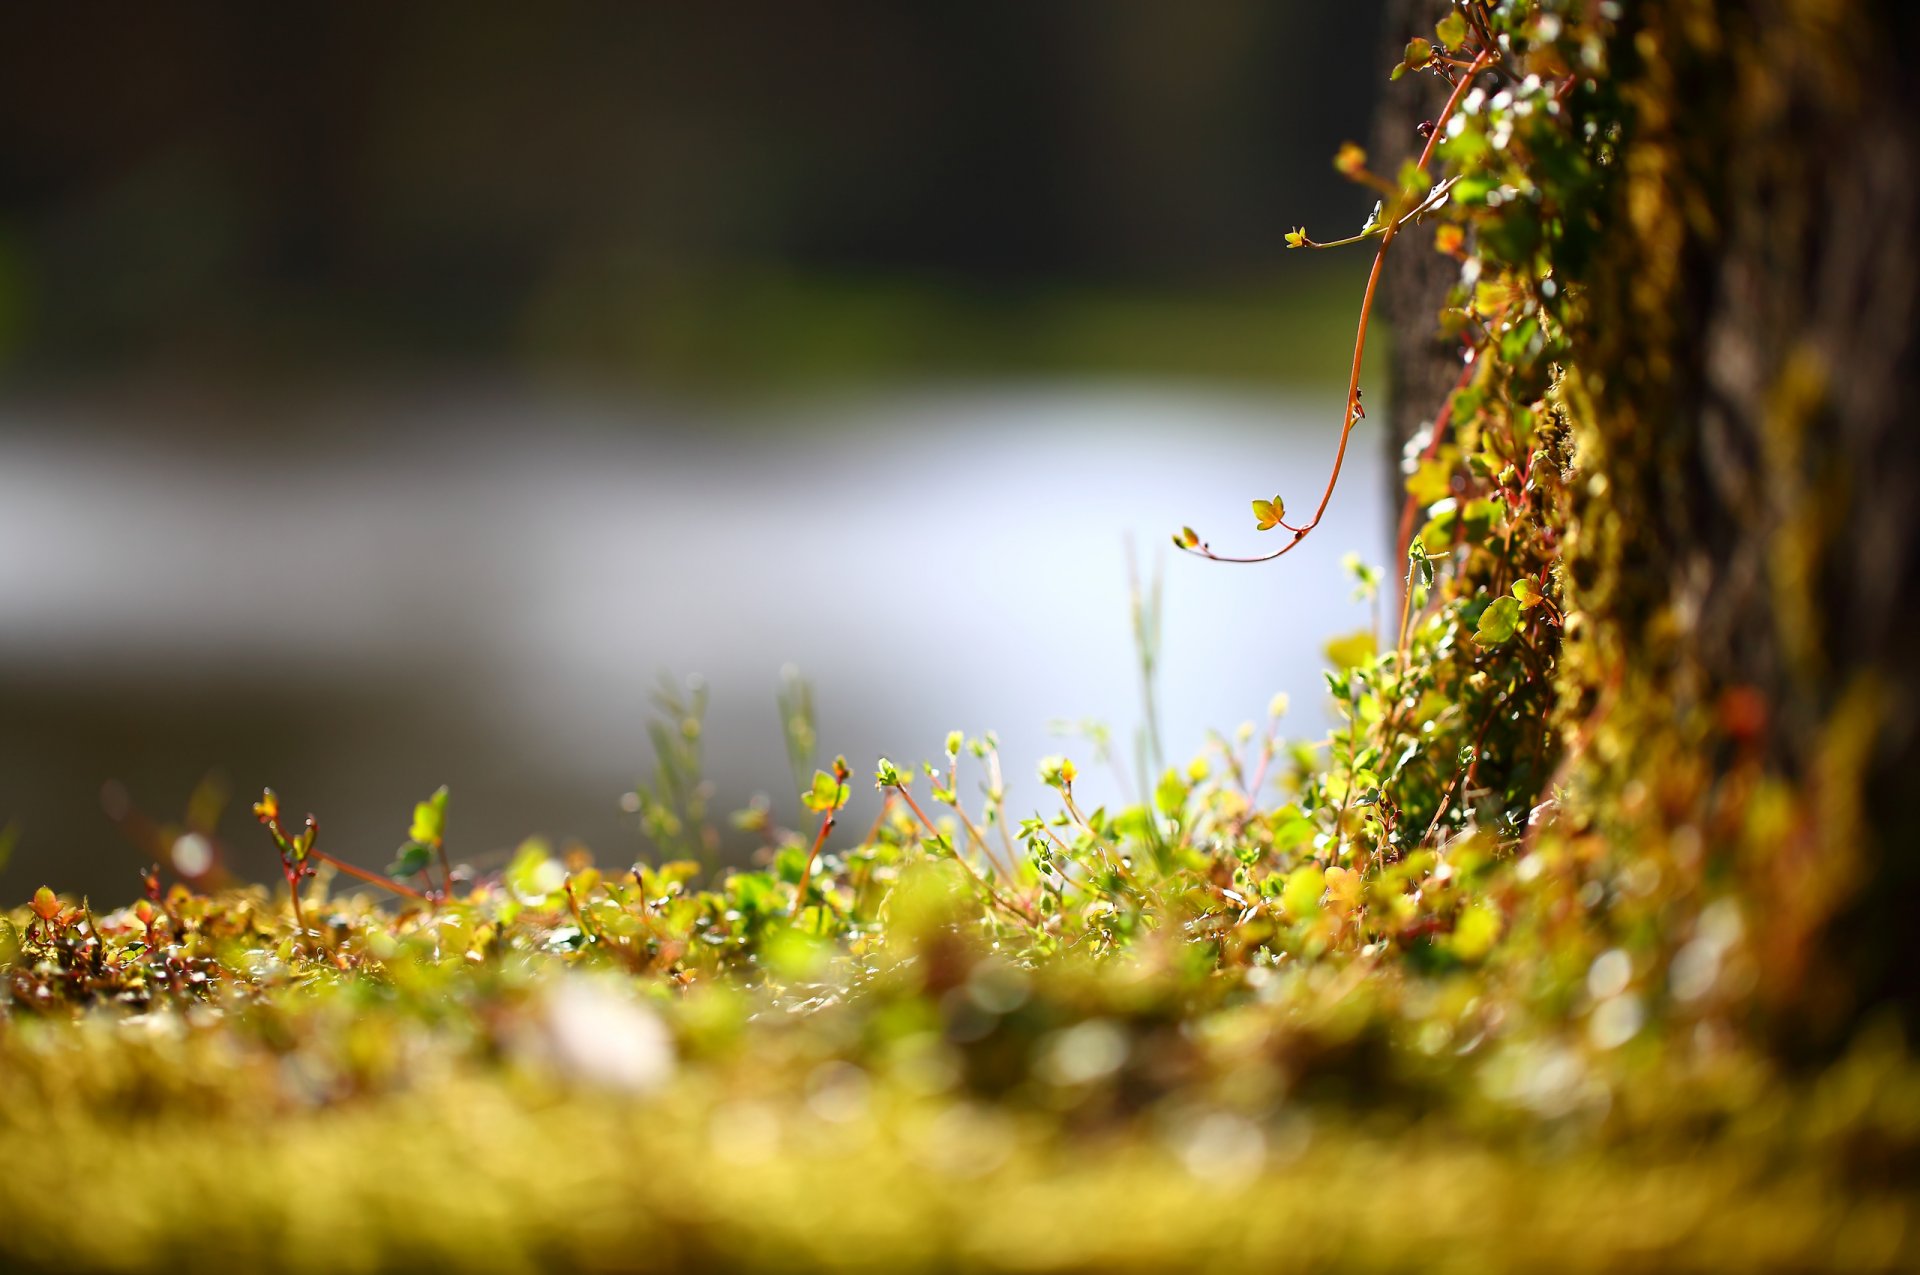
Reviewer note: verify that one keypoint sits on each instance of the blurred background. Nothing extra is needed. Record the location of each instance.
(390, 394)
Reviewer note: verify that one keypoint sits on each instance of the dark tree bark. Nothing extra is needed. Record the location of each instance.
(1421, 365)
(1751, 553)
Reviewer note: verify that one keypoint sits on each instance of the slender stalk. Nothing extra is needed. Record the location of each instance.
(1410, 508)
(299, 913)
(827, 822)
(1354, 413)
(371, 878)
(1424, 207)
(1118, 869)
(1260, 771)
(979, 839)
(997, 799)
(987, 889)
(1463, 778)
(973, 832)
(879, 820)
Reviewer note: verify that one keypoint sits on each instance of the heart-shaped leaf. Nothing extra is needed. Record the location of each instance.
(1499, 622)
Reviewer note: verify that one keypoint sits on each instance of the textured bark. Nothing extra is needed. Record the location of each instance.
(1421, 365)
(1753, 558)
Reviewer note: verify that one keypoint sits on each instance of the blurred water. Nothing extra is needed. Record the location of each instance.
(481, 591)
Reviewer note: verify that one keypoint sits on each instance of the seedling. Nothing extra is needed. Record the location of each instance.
(825, 797)
(300, 852)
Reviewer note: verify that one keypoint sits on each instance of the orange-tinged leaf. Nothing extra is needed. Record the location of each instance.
(1345, 888)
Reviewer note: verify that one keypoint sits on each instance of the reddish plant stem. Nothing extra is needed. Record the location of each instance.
(1066, 794)
(293, 892)
(879, 820)
(1441, 422)
(1354, 415)
(827, 821)
(985, 888)
(371, 878)
(579, 917)
(1463, 779)
(979, 838)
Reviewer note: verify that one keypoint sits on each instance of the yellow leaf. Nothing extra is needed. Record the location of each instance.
(1354, 648)
(1433, 480)
(1345, 888)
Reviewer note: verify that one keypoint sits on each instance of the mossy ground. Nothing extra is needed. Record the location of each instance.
(563, 1071)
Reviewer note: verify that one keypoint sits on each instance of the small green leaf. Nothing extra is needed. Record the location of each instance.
(1305, 885)
(1482, 519)
(1432, 481)
(430, 820)
(1527, 591)
(1437, 536)
(1452, 30)
(826, 794)
(1420, 565)
(1498, 623)
(1475, 933)
(413, 857)
(1170, 794)
(1268, 513)
(1419, 53)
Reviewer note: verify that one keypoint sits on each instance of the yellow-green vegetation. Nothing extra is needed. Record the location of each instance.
(1480, 981)
(1212, 1047)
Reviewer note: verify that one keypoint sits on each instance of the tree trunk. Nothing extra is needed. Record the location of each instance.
(1747, 549)
(1421, 364)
